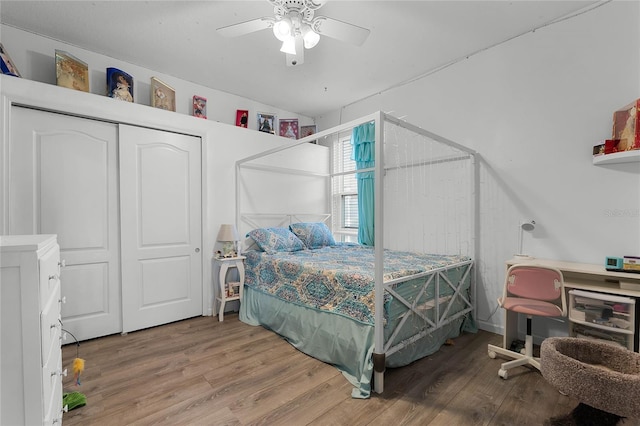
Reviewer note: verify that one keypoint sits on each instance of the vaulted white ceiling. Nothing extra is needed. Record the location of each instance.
(408, 39)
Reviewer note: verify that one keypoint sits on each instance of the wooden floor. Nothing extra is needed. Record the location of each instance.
(203, 372)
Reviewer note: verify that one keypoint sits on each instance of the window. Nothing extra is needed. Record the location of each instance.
(350, 211)
(345, 192)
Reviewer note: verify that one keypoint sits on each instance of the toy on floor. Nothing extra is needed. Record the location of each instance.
(78, 368)
(78, 363)
(72, 400)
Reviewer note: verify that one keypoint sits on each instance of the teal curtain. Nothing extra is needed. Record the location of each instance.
(363, 153)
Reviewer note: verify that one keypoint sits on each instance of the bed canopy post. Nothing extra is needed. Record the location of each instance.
(475, 223)
(238, 210)
(379, 351)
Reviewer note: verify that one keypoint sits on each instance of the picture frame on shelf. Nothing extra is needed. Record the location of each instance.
(199, 106)
(267, 122)
(234, 289)
(242, 118)
(289, 128)
(71, 72)
(163, 96)
(6, 64)
(308, 131)
(119, 85)
(626, 127)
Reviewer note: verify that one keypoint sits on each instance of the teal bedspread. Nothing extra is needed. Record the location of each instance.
(323, 302)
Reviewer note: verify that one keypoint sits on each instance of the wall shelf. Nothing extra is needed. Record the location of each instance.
(618, 157)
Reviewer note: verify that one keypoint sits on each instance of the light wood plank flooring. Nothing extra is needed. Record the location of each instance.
(204, 372)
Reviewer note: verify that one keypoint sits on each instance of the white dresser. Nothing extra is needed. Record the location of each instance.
(30, 355)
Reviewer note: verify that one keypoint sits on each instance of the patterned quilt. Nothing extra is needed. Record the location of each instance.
(338, 279)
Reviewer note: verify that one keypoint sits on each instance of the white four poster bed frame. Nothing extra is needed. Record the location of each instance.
(247, 220)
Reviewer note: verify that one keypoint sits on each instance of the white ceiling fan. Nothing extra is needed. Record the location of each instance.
(296, 26)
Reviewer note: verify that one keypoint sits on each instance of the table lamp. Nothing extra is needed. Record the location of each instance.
(524, 226)
(228, 236)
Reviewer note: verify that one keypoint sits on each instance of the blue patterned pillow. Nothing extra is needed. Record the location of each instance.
(273, 240)
(313, 234)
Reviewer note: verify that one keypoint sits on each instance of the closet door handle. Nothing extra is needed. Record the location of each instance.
(197, 250)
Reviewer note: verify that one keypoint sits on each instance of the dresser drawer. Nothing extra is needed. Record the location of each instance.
(54, 415)
(51, 325)
(49, 265)
(52, 383)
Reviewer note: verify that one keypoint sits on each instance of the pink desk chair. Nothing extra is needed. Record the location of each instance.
(534, 291)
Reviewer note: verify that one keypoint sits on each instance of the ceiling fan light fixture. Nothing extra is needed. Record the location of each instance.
(289, 45)
(310, 37)
(294, 23)
(282, 29)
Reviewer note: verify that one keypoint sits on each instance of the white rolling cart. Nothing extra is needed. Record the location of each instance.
(602, 316)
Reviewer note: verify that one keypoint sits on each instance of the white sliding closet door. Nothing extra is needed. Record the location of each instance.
(63, 180)
(160, 180)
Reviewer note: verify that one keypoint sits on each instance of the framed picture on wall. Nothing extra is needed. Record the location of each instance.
(307, 131)
(162, 95)
(242, 118)
(6, 64)
(71, 72)
(119, 85)
(289, 128)
(199, 106)
(267, 122)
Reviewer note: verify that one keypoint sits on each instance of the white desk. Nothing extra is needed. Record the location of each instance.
(581, 276)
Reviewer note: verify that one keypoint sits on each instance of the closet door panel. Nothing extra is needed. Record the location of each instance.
(164, 219)
(63, 180)
(160, 177)
(75, 203)
(87, 283)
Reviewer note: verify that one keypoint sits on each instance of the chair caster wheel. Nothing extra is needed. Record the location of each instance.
(503, 373)
(492, 354)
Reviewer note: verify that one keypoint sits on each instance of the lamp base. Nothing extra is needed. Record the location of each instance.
(228, 249)
(523, 257)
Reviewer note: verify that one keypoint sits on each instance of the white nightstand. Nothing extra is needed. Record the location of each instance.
(229, 290)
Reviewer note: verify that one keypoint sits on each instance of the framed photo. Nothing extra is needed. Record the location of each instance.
(199, 106)
(267, 122)
(242, 118)
(234, 289)
(119, 85)
(162, 95)
(6, 64)
(308, 131)
(71, 72)
(289, 128)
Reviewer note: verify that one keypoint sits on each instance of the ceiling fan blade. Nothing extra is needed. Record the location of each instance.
(340, 30)
(247, 27)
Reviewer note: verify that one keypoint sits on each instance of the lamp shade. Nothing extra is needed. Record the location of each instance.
(228, 232)
(528, 226)
(310, 37)
(282, 29)
(289, 45)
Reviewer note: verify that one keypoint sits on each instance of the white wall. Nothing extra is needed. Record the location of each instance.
(533, 108)
(223, 142)
(34, 56)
